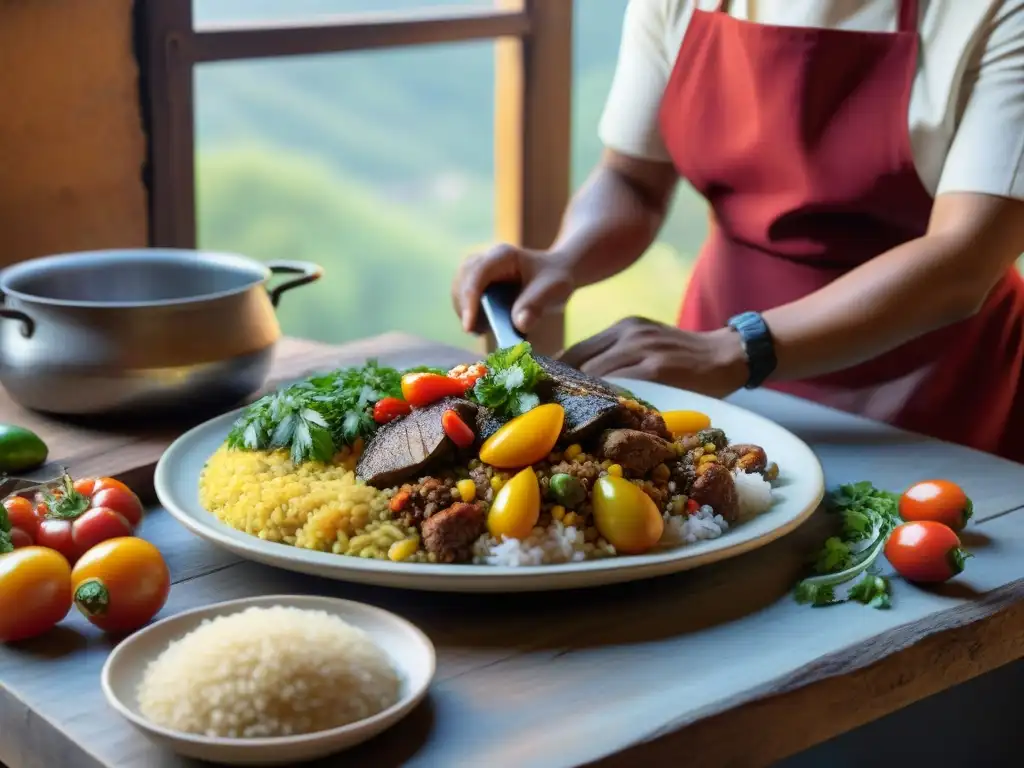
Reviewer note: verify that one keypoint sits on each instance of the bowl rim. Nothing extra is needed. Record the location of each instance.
(40, 267)
(406, 703)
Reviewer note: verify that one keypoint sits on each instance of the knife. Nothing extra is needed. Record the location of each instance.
(497, 303)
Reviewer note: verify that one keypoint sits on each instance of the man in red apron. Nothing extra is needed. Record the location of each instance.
(830, 271)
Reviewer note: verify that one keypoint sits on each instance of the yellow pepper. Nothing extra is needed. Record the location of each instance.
(526, 439)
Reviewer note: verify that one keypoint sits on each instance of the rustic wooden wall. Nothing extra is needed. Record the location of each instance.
(71, 141)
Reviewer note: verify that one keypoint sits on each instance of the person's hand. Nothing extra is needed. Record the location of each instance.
(546, 284)
(712, 363)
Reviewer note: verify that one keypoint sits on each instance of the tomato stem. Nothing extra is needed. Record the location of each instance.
(92, 597)
(957, 558)
(968, 512)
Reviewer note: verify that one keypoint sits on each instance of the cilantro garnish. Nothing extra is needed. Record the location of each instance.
(6, 545)
(509, 386)
(319, 416)
(868, 516)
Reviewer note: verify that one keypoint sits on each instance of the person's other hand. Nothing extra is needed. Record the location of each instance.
(546, 284)
(712, 363)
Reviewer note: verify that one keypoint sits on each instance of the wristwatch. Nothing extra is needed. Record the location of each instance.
(758, 346)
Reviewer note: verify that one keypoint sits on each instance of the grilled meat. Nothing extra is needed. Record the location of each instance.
(637, 452)
(404, 447)
(450, 533)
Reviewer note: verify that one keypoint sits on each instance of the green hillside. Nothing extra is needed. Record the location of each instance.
(379, 166)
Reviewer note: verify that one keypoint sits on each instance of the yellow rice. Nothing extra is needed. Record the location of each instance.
(313, 505)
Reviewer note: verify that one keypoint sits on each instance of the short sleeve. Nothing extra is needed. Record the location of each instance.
(987, 151)
(629, 123)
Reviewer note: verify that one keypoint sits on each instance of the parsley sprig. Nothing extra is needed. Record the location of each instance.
(509, 387)
(319, 416)
(868, 516)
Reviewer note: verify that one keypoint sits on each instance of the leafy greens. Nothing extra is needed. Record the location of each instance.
(509, 386)
(6, 545)
(868, 515)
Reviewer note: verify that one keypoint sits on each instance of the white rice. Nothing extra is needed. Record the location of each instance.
(265, 672)
(558, 544)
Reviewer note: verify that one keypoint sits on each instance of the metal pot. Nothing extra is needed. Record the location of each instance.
(129, 331)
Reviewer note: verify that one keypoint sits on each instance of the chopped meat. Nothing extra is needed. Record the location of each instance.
(638, 452)
(747, 457)
(450, 533)
(699, 439)
(645, 421)
(590, 404)
(715, 487)
(427, 497)
(405, 446)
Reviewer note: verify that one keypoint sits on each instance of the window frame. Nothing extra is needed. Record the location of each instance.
(533, 102)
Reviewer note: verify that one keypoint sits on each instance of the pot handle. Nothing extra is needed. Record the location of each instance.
(28, 325)
(308, 273)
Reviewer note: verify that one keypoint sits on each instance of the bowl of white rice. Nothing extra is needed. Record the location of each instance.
(269, 680)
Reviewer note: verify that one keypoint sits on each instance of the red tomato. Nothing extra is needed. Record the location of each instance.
(390, 408)
(421, 389)
(120, 500)
(23, 520)
(938, 500)
(56, 535)
(120, 584)
(925, 551)
(96, 525)
(35, 592)
(459, 432)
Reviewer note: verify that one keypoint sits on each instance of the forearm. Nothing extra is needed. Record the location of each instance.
(611, 221)
(921, 286)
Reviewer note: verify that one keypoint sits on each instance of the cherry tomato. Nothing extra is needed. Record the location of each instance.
(459, 432)
(421, 389)
(120, 500)
(925, 551)
(35, 592)
(390, 408)
(96, 525)
(24, 522)
(56, 535)
(938, 500)
(120, 584)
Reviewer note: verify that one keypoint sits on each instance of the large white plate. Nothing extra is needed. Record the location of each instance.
(797, 495)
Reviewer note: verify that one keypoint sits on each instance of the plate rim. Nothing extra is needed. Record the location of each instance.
(480, 577)
(383, 719)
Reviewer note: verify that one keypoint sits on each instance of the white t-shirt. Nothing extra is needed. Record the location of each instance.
(966, 113)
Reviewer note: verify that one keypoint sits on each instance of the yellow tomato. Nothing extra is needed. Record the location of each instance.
(685, 422)
(626, 516)
(526, 439)
(516, 508)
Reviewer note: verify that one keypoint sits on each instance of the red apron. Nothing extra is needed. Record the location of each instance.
(798, 139)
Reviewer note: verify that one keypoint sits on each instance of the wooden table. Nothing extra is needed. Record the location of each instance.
(717, 664)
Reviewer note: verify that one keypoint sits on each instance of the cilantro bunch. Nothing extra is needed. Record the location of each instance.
(868, 516)
(319, 416)
(509, 386)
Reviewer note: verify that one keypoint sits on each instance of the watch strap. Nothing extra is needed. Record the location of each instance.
(757, 344)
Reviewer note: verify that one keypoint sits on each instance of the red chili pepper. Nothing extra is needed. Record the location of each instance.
(457, 429)
(390, 408)
(692, 507)
(421, 389)
(468, 374)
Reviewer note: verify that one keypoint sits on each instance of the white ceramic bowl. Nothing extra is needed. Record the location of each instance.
(410, 651)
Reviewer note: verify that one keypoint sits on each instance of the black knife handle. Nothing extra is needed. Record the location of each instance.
(497, 303)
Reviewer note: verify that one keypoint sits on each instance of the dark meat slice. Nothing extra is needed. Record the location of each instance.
(585, 415)
(486, 423)
(451, 532)
(638, 452)
(572, 380)
(715, 487)
(404, 447)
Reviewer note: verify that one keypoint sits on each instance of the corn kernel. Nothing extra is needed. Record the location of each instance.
(497, 482)
(707, 458)
(572, 452)
(569, 519)
(467, 490)
(402, 550)
(558, 512)
(615, 470)
(710, 447)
